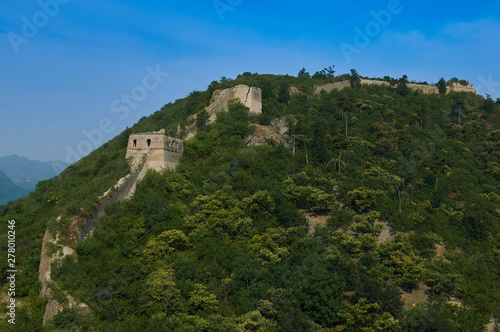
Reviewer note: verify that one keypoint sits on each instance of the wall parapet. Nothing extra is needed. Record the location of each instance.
(426, 89)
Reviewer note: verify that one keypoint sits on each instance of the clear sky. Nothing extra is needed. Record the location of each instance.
(74, 74)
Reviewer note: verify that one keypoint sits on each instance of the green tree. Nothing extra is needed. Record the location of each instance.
(320, 294)
(202, 119)
(161, 293)
(442, 317)
(303, 73)
(402, 88)
(200, 300)
(266, 86)
(441, 85)
(284, 93)
(319, 74)
(354, 78)
(366, 317)
(329, 71)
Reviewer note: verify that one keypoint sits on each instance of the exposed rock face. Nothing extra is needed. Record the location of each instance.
(53, 306)
(277, 131)
(293, 90)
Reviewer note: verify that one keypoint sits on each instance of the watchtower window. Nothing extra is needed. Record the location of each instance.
(148, 143)
(135, 143)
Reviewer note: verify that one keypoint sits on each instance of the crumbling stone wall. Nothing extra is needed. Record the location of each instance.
(461, 88)
(426, 89)
(374, 82)
(332, 86)
(251, 97)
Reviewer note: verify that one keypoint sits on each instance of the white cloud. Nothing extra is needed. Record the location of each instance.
(478, 30)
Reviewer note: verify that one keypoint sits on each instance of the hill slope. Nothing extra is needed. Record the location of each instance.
(224, 243)
(9, 191)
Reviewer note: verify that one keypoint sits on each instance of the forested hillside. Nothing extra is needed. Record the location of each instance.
(228, 241)
(9, 191)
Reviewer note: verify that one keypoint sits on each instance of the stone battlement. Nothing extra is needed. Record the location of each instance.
(461, 88)
(163, 151)
(426, 89)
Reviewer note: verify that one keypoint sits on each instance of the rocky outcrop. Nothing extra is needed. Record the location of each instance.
(277, 131)
(53, 248)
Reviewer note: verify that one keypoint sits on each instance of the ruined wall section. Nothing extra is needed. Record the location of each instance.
(332, 86)
(251, 97)
(374, 82)
(457, 87)
(426, 89)
(221, 100)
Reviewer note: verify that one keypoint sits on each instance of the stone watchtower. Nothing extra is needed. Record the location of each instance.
(163, 151)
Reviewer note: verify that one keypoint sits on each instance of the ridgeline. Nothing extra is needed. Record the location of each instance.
(370, 207)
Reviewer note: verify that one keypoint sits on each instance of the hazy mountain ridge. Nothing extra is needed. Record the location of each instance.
(27, 173)
(9, 191)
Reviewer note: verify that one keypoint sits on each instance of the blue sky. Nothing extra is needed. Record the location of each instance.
(66, 75)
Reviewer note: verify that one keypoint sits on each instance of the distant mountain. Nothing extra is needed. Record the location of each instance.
(27, 173)
(9, 191)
